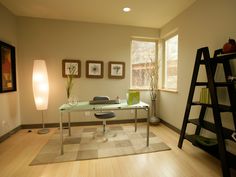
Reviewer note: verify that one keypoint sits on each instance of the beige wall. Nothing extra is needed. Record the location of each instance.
(206, 23)
(9, 102)
(54, 40)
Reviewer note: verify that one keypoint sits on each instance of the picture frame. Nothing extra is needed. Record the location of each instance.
(8, 68)
(94, 69)
(71, 67)
(116, 70)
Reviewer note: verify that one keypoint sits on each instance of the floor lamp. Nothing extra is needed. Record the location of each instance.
(40, 89)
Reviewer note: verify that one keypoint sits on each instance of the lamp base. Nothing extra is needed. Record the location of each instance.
(43, 131)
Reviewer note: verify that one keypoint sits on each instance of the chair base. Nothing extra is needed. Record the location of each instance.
(104, 134)
(102, 137)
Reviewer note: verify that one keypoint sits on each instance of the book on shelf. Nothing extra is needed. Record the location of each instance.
(205, 96)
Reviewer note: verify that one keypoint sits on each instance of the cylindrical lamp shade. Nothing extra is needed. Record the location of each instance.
(40, 84)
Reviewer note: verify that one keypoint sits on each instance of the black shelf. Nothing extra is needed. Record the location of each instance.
(217, 84)
(227, 159)
(224, 84)
(225, 57)
(211, 127)
(202, 62)
(219, 58)
(201, 83)
(213, 150)
(222, 108)
(205, 124)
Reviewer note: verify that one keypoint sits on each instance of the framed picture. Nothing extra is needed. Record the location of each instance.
(8, 68)
(94, 69)
(71, 67)
(116, 70)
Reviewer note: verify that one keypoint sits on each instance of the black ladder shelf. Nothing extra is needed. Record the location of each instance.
(228, 160)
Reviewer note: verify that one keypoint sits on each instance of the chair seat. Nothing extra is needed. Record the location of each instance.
(104, 115)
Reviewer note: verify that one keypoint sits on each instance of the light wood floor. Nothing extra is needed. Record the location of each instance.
(18, 151)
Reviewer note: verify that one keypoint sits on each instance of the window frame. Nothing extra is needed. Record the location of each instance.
(156, 41)
(164, 70)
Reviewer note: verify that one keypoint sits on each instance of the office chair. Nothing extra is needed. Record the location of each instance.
(103, 116)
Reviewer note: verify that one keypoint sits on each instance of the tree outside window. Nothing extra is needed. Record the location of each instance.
(171, 63)
(143, 54)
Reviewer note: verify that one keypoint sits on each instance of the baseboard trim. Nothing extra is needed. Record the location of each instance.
(8, 134)
(170, 126)
(73, 124)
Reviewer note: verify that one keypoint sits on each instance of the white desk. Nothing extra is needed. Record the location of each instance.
(85, 106)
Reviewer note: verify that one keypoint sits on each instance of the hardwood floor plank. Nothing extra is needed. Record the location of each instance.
(19, 150)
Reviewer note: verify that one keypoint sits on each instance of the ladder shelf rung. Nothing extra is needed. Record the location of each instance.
(220, 58)
(213, 150)
(198, 103)
(217, 84)
(223, 84)
(223, 57)
(222, 108)
(210, 126)
(201, 83)
(202, 62)
(205, 124)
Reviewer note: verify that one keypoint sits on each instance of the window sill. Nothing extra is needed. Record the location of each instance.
(160, 89)
(137, 89)
(168, 90)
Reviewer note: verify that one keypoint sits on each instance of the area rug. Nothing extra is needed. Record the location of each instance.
(85, 145)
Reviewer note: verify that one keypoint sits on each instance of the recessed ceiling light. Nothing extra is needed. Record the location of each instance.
(126, 9)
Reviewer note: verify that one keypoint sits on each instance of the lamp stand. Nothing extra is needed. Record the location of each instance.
(43, 130)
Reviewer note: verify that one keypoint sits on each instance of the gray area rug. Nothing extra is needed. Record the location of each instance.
(85, 144)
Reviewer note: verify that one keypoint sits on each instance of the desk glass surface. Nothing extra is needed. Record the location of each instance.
(83, 106)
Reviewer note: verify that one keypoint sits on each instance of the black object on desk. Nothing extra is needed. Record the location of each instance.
(103, 100)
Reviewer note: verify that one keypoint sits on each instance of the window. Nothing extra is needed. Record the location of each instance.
(171, 63)
(143, 54)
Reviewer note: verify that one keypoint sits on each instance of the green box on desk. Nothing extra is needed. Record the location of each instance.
(133, 97)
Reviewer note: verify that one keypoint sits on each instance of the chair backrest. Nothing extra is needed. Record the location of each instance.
(96, 98)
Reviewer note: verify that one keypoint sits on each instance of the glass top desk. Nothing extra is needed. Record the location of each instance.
(85, 106)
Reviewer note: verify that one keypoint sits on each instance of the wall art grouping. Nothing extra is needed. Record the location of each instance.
(116, 70)
(94, 69)
(71, 67)
(7, 68)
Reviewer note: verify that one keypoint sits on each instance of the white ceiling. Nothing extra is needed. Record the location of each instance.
(144, 13)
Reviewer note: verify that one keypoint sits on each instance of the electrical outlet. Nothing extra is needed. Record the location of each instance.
(3, 123)
(87, 113)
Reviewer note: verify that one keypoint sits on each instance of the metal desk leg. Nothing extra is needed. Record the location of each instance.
(148, 121)
(61, 134)
(69, 127)
(135, 120)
